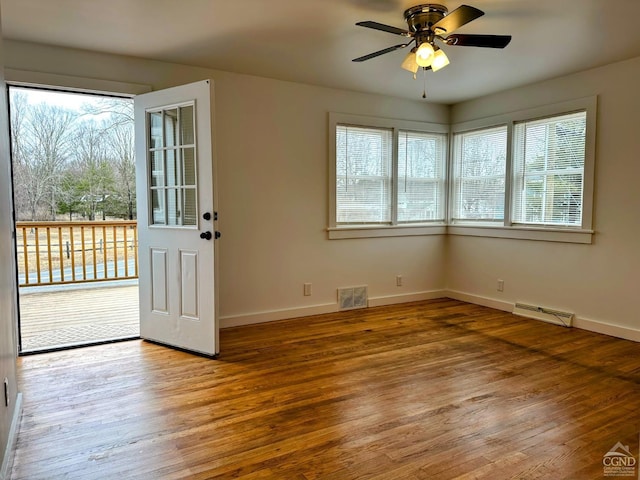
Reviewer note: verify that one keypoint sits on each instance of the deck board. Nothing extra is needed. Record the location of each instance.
(51, 318)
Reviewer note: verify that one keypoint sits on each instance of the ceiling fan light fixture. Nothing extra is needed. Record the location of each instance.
(440, 60)
(409, 62)
(424, 54)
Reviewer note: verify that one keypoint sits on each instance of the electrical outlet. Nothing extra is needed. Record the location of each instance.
(398, 280)
(307, 289)
(500, 285)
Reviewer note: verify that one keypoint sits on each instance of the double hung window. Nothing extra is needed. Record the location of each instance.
(548, 170)
(363, 174)
(420, 184)
(480, 161)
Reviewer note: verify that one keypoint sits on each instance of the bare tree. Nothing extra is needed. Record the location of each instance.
(41, 139)
(121, 146)
(19, 114)
(119, 110)
(72, 161)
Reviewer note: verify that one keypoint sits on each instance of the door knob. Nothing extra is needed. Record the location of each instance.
(206, 216)
(218, 234)
(206, 235)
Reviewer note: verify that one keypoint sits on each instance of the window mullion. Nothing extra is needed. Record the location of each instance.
(394, 177)
(449, 179)
(508, 177)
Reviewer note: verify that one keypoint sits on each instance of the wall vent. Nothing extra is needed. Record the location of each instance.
(549, 315)
(352, 297)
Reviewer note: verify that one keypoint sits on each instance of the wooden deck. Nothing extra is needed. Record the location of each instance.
(53, 317)
(431, 390)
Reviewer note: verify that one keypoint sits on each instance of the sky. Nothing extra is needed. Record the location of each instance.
(73, 101)
(63, 99)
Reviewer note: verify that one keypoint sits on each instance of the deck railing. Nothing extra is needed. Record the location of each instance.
(75, 252)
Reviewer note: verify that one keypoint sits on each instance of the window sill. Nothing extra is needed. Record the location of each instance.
(371, 231)
(546, 234)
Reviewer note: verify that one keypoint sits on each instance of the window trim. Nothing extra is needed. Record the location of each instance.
(507, 229)
(336, 231)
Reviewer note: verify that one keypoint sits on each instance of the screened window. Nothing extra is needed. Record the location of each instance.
(479, 166)
(549, 160)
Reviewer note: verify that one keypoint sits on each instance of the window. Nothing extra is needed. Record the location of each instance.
(363, 174)
(548, 160)
(171, 156)
(420, 179)
(479, 162)
(526, 174)
(386, 175)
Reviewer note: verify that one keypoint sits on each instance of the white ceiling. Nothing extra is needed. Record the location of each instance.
(313, 41)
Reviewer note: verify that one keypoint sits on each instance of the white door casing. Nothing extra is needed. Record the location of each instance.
(175, 191)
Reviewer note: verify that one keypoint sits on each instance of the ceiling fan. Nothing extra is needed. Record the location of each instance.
(428, 23)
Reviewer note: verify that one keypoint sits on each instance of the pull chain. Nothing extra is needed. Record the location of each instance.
(424, 89)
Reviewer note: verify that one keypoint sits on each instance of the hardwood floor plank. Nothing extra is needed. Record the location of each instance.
(438, 389)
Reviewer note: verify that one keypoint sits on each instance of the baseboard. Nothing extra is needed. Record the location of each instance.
(7, 458)
(595, 326)
(607, 329)
(478, 300)
(405, 298)
(286, 313)
(274, 315)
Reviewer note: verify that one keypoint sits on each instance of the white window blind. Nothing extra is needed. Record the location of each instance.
(548, 160)
(479, 167)
(363, 174)
(420, 182)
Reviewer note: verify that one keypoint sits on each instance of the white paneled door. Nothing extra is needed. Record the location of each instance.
(176, 221)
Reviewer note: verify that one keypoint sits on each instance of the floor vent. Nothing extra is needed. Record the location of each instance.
(352, 297)
(549, 315)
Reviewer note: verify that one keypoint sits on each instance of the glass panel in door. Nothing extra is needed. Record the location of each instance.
(173, 169)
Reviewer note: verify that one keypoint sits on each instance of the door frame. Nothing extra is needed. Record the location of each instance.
(108, 88)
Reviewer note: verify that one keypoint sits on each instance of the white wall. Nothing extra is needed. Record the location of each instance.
(8, 414)
(272, 150)
(273, 165)
(599, 282)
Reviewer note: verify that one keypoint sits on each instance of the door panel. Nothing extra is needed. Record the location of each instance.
(174, 158)
(189, 284)
(158, 278)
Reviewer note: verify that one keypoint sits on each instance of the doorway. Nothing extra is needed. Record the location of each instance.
(74, 183)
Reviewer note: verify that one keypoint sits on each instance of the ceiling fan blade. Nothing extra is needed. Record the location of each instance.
(487, 41)
(385, 28)
(379, 52)
(457, 18)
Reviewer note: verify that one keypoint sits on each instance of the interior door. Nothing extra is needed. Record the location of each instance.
(175, 198)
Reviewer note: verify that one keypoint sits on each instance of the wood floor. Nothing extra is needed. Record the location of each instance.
(430, 390)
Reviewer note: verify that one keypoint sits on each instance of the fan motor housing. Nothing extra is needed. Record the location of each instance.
(422, 17)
